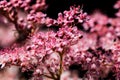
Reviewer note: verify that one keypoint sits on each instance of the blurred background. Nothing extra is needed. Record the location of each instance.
(89, 6)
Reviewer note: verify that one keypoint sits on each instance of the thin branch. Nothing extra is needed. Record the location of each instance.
(47, 76)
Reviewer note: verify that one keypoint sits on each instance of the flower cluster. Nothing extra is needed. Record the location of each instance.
(72, 17)
(91, 41)
(44, 53)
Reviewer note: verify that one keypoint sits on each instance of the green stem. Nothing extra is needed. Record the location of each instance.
(60, 70)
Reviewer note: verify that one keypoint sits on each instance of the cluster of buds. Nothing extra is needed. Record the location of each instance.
(72, 17)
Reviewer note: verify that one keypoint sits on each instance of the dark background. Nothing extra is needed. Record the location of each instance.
(105, 6)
